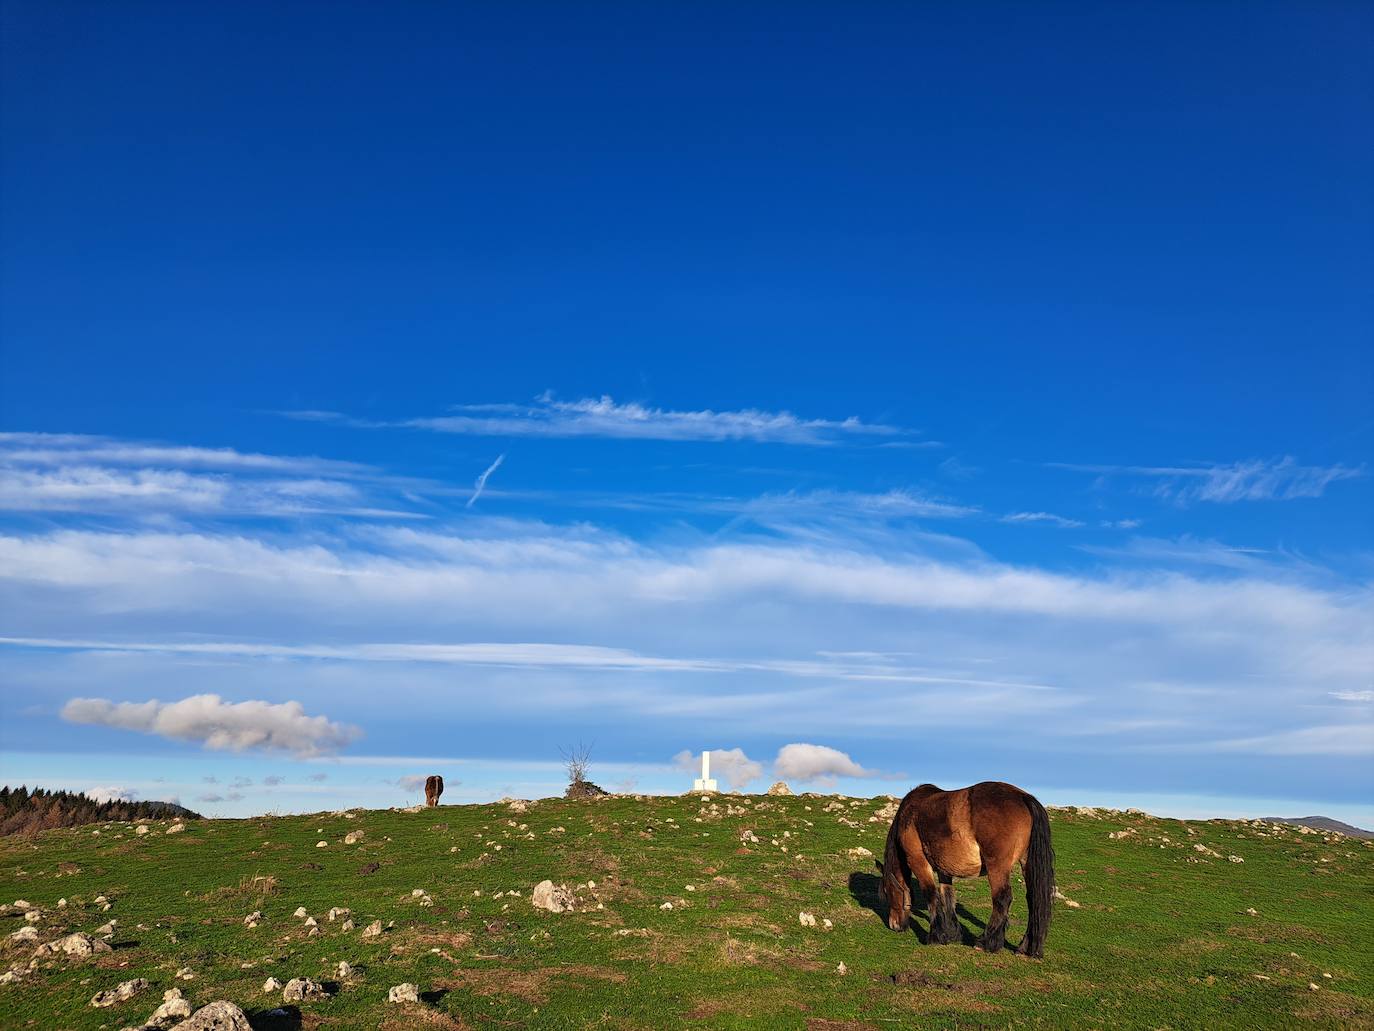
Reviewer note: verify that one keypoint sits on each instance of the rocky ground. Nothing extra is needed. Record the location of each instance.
(638, 912)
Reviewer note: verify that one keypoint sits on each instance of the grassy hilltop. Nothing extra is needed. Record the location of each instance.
(1160, 927)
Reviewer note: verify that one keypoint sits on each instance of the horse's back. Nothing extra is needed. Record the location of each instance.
(1001, 819)
(960, 831)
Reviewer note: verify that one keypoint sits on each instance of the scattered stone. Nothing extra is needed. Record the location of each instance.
(749, 837)
(61, 903)
(271, 985)
(218, 1016)
(173, 1009)
(780, 788)
(78, 944)
(338, 912)
(403, 993)
(554, 898)
(123, 993)
(353, 837)
(666, 905)
(886, 814)
(345, 969)
(176, 828)
(310, 921)
(519, 805)
(10, 976)
(140, 830)
(1114, 835)
(186, 974)
(251, 920)
(32, 916)
(842, 969)
(347, 925)
(301, 911)
(298, 989)
(321, 844)
(1253, 912)
(373, 930)
(107, 929)
(1206, 851)
(859, 853)
(806, 919)
(415, 893)
(22, 904)
(1235, 859)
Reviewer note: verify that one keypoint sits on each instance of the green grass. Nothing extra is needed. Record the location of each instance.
(1162, 938)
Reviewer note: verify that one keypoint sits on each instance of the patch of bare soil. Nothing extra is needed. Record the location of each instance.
(1337, 1008)
(821, 1024)
(532, 986)
(423, 1016)
(934, 992)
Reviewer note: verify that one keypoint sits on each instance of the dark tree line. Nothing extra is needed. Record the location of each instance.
(26, 812)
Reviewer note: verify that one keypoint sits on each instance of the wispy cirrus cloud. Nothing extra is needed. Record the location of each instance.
(604, 417)
(86, 474)
(1042, 517)
(47, 449)
(219, 725)
(1255, 479)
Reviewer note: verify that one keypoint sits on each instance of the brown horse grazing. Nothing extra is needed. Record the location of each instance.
(434, 787)
(981, 830)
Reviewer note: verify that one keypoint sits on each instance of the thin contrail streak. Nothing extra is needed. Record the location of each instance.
(482, 480)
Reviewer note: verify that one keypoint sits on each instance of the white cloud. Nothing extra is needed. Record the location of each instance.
(217, 724)
(730, 765)
(1255, 479)
(412, 783)
(816, 762)
(273, 780)
(603, 417)
(111, 793)
(1353, 696)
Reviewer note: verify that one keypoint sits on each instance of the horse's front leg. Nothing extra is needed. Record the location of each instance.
(944, 924)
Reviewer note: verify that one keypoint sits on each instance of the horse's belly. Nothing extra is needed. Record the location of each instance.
(957, 857)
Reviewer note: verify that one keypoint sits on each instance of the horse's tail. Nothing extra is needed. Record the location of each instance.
(1039, 880)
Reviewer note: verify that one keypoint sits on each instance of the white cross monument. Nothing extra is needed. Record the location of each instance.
(704, 782)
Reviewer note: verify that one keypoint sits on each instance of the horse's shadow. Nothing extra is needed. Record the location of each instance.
(282, 1018)
(864, 889)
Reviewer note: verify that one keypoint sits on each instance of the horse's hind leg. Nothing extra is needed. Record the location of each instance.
(999, 883)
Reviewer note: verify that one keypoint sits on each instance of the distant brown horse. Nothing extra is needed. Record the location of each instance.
(434, 787)
(981, 830)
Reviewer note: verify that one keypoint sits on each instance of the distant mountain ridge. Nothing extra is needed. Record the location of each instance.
(1322, 823)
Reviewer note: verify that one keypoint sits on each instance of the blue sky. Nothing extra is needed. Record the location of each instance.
(972, 393)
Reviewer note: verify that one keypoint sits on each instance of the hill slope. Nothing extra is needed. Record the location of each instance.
(1168, 931)
(1323, 823)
